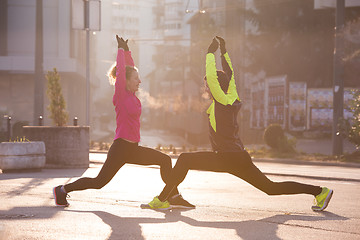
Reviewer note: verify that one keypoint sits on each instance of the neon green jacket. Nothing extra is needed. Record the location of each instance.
(224, 108)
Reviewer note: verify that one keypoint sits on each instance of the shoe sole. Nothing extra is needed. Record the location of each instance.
(147, 206)
(58, 205)
(181, 207)
(326, 203)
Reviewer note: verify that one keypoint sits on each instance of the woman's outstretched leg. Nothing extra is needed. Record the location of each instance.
(114, 161)
(243, 167)
(251, 174)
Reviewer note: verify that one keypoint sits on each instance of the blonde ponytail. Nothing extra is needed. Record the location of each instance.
(111, 74)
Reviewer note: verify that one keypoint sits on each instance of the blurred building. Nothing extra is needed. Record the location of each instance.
(173, 87)
(294, 106)
(168, 40)
(320, 4)
(62, 49)
(187, 29)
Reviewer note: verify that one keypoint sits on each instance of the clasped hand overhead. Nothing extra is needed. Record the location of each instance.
(122, 43)
(216, 42)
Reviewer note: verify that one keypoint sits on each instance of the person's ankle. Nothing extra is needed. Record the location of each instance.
(174, 196)
(161, 199)
(63, 189)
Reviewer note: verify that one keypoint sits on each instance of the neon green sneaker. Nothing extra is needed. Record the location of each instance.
(156, 204)
(322, 200)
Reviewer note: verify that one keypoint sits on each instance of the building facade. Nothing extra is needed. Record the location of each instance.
(62, 49)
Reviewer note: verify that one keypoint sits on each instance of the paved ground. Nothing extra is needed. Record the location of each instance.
(227, 208)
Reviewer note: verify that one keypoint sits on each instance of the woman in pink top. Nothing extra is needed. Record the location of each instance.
(125, 148)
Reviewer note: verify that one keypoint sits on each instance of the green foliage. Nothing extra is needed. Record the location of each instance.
(264, 152)
(294, 28)
(287, 145)
(273, 135)
(57, 104)
(158, 147)
(104, 146)
(352, 128)
(204, 30)
(21, 139)
(183, 149)
(275, 138)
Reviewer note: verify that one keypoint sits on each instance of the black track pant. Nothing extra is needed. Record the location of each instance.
(235, 163)
(122, 152)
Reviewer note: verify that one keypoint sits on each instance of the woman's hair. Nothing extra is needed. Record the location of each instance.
(111, 74)
(223, 80)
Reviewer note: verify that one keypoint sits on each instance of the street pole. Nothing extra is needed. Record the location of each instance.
(235, 36)
(39, 68)
(87, 29)
(338, 79)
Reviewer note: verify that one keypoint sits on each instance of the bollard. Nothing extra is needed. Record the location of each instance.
(9, 128)
(40, 120)
(75, 121)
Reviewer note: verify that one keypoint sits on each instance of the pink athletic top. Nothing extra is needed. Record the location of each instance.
(127, 105)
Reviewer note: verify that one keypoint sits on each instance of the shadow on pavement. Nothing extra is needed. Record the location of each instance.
(23, 188)
(38, 179)
(129, 228)
(45, 174)
(23, 213)
(123, 227)
(256, 229)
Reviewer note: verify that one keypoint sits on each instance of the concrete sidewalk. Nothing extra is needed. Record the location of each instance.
(227, 208)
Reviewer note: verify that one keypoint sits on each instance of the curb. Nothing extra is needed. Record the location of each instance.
(309, 163)
(312, 163)
(314, 177)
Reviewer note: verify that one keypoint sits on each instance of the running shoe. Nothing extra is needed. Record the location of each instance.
(322, 200)
(177, 201)
(157, 204)
(60, 197)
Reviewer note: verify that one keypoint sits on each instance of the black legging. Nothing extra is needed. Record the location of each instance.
(236, 163)
(122, 152)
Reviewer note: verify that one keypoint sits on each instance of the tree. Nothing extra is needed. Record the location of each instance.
(351, 36)
(353, 129)
(296, 40)
(203, 29)
(293, 40)
(57, 106)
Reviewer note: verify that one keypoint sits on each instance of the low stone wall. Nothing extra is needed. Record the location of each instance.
(16, 156)
(66, 147)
